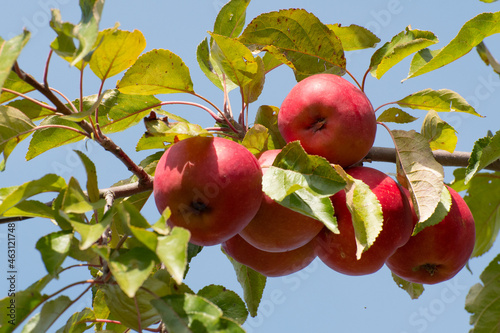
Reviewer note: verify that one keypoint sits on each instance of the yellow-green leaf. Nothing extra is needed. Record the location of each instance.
(439, 133)
(354, 37)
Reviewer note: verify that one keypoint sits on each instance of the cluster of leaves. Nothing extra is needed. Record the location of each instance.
(137, 268)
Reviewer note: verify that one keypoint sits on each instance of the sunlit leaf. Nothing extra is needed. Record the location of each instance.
(33, 110)
(178, 131)
(396, 115)
(365, 209)
(470, 35)
(419, 172)
(231, 18)
(303, 183)
(13, 82)
(354, 37)
(306, 44)
(30, 208)
(132, 268)
(54, 249)
(14, 127)
(268, 117)
(486, 150)
(402, 45)
(439, 133)
(117, 51)
(483, 300)
(443, 100)
(256, 139)
(415, 290)
(48, 183)
(23, 302)
(172, 251)
(442, 209)
(86, 32)
(487, 57)
(90, 233)
(49, 138)
(92, 187)
(75, 201)
(253, 284)
(228, 301)
(79, 322)
(157, 72)
(9, 51)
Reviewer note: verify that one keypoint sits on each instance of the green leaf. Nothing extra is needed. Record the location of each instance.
(483, 199)
(179, 131)
(90, 233)
(172, 251)
(75, 201)
(51, 311)
(54, 249)
(271, 62)
(483, 300)
(256, 139)
(354, 37)
(268, 117)
(13, 82)
(442, 100)
(32, 110)
(30, 208)
(206, 66)
(118, 111)
(24, 302)
(442, 209)
(48, 183)
(92, 187)
(132, 268)
(192, 313)
(9, 51)
(228, 301)
(471, 34)
(157, 72)
(124, 308)
(298, 39)
(77, 323)
(396, 115)
(419, 172)
(86, 32)
(487, 57)
(239, 65)
(15, 126)
(231, 18)
(366, 212)
(303, 183)
(253, 284)
(402, 45)
(49, 138)
(486, 151)
(117, 51)
(413, 289)
(439, 133)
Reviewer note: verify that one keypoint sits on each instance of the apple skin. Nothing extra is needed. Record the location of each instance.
(276, 228)
(212, 185)
(338, 251)
(271, 264)
(438, 252)
(330, 117)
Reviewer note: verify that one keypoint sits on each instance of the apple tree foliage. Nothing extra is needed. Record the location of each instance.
(137, 267)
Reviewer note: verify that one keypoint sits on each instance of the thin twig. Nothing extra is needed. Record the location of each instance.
(43, 105)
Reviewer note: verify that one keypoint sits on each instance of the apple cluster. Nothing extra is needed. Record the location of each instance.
(213, 187)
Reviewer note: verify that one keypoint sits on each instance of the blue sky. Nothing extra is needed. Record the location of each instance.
(316, 299)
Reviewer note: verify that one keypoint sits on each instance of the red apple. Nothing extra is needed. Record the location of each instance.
(330, 117)
(438, 252)
(338, 251)
(269, 263)
(212, 185)
(276, 228)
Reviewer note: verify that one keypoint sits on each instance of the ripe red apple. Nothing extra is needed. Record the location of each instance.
(269, 263)
(439, 252)
(212, 185)
(276, 228)
(330, 117)
(338, 251)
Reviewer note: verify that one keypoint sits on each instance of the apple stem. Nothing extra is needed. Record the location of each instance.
(364, 79)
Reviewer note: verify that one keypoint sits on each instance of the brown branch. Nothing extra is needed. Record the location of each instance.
(455, 159)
